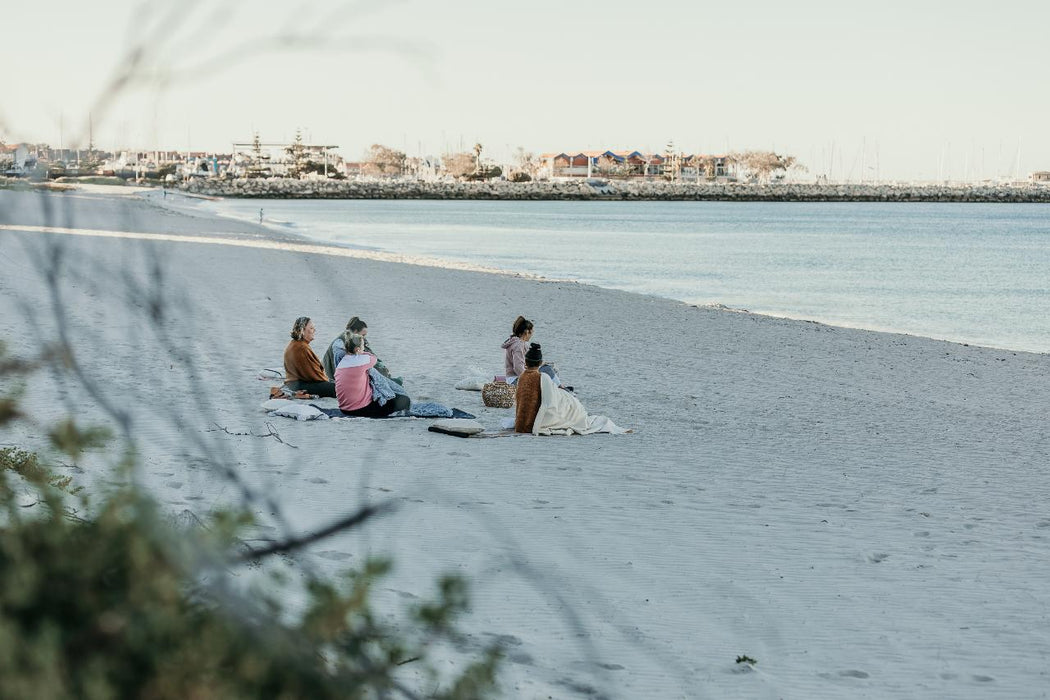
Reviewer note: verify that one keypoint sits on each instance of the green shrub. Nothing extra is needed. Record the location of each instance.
(117, 602)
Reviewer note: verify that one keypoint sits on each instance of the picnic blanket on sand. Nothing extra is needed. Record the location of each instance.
(561, 413)
(428, 409)
(298, 410)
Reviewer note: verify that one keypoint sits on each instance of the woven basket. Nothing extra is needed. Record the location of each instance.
(497, 395)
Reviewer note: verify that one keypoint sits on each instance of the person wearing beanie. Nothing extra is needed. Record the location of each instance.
(527, 393)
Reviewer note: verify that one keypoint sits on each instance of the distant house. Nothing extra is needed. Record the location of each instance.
(1041, 176)
(633, 164)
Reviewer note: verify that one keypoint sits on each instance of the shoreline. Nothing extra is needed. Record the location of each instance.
(295, 232)
(613, 190)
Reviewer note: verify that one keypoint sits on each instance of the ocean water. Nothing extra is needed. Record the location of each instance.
(973, 273)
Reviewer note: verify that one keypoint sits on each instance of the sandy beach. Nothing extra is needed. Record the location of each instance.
(865, 514)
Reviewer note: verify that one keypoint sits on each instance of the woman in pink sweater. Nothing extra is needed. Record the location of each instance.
(353, 388)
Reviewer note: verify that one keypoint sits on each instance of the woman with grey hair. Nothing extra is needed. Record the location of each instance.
(302, 369)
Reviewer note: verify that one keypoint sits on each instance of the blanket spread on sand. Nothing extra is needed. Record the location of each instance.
(561, 413)
(427, 409)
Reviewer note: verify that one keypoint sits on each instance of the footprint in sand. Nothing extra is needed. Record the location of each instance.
(317, 480)
(504, 640)
(983, 679)
(174, 484)
(853, 673)
(878, 558)
(333, 555)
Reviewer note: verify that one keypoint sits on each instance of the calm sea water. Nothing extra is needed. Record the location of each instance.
(973, 273)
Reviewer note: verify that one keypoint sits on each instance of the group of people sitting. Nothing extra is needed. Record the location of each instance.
(350, 372)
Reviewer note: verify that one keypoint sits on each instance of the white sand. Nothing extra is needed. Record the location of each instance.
(864, 513)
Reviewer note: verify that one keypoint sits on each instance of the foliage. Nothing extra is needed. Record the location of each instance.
(761, 165)
(383, 161)
(27, 465)
(608, 166)
(459, 165)
(525, 166)
(118, 602)
(486, 172)
(705, 165)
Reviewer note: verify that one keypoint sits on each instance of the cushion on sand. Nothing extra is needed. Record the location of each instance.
(471, 384)
(458, 426)
(291, 409)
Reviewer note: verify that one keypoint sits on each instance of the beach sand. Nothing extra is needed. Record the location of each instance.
(866, 514)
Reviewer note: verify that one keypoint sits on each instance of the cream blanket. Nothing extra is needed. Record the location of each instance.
(561, 413)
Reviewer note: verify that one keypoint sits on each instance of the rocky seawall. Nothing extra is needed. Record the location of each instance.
(612, 190)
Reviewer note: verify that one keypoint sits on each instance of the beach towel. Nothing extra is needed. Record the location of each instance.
(460, 433)
(561, 413)
(457, 427)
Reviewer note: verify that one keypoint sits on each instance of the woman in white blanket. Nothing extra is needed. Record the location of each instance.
(544, 409)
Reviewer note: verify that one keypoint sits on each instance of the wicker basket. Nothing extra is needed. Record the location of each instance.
(497, 395)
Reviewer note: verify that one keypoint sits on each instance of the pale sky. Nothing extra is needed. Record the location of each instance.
(902, 90)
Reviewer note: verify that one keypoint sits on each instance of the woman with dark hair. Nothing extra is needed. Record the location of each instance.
(352, 385)
(336, 350)
(515, 347)
(302, 369)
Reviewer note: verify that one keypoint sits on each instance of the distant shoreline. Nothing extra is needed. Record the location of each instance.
(612, 190)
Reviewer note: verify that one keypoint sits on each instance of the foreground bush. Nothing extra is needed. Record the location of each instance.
(109, 599)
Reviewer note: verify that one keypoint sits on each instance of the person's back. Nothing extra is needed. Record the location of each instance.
(352, 387)
(514, 360)
(527, 395)
(527, 400)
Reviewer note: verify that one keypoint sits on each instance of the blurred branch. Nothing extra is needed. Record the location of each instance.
(335, 528)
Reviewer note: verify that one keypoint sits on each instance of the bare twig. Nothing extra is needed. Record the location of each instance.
(269, 426)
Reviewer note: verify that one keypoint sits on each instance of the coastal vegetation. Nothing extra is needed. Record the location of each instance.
(104, 594)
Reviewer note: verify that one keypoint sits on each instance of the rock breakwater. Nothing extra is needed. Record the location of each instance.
(612, 190)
